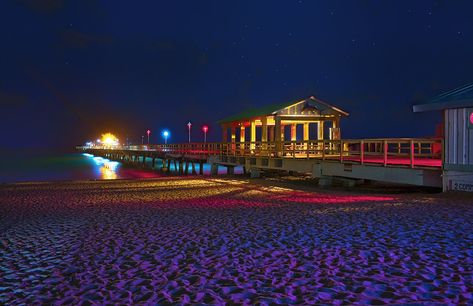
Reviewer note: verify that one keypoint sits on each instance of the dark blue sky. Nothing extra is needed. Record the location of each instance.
(73, 69)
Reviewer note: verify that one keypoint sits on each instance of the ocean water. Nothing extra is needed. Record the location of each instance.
(26, 167)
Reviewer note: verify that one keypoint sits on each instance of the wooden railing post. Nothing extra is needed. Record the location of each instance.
(341, 150)
(385, 152)
(323, 149)
(306, 146)
(442, 152)
(412, 152)
(362, 152)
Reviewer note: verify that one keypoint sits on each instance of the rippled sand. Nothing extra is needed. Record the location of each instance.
(195, 240)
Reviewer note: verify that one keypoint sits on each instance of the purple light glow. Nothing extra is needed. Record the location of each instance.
(214, 240)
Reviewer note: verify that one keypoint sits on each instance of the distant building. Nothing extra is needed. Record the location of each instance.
(457, 106)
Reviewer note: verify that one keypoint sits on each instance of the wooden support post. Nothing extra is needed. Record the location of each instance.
(323, 149)
(230, 170)
(277, 137)
(341, 150)
(233, 134)
(335, 122)
(213, 169)
(175, 166)
(233, 139)
(181, 166)
(264, 129)
(242, 133)
(252, 134)
(411, 152)
(293, 132)
(305, 136)
(264, 133)
(385, 152)
(242, 140)
(193, 168)
(306, 131)
(271, 133)
(144, 160)
(362, 152)
(153, 162)
(186, 167)
(201, 168)
(320, 130)
(169, 166)
(320, 136)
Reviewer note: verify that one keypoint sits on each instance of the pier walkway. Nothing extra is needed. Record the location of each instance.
(415, 161)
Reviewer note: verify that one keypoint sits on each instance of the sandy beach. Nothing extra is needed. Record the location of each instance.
(223, 240)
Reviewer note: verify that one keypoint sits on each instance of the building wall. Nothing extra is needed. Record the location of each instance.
(458, 163)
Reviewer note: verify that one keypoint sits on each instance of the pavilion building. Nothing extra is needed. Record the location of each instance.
(313, 118)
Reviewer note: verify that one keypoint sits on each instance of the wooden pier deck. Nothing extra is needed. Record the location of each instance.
(422, 155)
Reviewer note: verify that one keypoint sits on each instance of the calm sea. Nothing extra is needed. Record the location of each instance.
(59, 167)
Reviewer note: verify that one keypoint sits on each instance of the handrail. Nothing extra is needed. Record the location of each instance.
(385, 151)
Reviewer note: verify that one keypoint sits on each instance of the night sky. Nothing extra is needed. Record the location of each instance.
(71, 70)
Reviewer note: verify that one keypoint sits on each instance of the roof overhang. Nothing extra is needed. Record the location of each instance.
(442, 105)
(274, 110)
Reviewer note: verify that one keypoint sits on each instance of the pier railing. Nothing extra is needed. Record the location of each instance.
(410, 152)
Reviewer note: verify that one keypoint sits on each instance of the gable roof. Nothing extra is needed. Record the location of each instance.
(274, 108)
(457, 98)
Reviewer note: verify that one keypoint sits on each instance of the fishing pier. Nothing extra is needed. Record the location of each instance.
(301, 137)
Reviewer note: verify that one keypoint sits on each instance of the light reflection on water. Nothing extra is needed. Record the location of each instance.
(107, 168)
(50, 166)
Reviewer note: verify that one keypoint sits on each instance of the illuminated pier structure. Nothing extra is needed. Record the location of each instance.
(302, 136)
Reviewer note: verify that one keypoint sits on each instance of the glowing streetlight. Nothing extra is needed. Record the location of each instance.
(189, 125)
(165, 135)
(148, 132)
(205, 129)
(108, 139)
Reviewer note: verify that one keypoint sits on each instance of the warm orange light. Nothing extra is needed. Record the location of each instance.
(107, 173)
(109, 139)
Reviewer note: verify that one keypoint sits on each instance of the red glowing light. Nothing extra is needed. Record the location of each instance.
(148, 132)
(205, 128)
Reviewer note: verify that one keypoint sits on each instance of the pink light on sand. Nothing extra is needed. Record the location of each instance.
(308, 197)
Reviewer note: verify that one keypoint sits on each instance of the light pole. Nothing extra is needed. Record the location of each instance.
(165, 135)
(148, 132)
(205, 129)
(189, 125)
(142, 139)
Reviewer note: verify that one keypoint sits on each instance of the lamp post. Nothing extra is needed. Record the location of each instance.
(189, 125)
(165, 135)
(205, 129)
(142, 139)
(148, 132)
